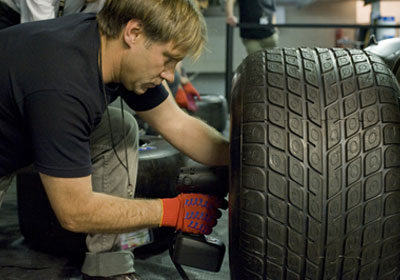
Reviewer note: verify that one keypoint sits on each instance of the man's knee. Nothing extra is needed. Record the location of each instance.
(123, 126)
(114, 130)
(131, 128)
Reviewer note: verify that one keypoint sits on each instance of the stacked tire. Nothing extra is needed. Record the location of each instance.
(212, 109)
(315, 166)
(159, 166)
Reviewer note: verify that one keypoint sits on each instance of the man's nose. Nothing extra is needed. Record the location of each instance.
(168, 75)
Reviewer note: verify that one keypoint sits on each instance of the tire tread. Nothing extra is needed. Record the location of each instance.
(320, 162)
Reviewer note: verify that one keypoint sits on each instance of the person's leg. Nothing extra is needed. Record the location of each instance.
(251, 45)
(8, 17)
(5, 182)
(270, 42)
(105, 257)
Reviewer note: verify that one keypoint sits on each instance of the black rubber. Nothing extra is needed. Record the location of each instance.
(315, 167)
(213, 110)
(159, 165)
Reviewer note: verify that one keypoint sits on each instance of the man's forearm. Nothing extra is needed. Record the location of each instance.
(79, 209)
(189, 135)
(109, 214)
(229, 8)
(204, 144)
(218, 152)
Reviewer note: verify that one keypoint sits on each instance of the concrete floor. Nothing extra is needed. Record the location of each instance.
(19, 261)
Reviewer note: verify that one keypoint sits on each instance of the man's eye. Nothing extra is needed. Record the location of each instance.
(169, 62)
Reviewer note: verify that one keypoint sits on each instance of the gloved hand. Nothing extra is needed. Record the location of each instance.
(192, 212)
(192, 95)
(181, 98)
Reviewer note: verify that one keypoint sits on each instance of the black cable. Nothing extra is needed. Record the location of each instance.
(126, 167)
(178, 267)
(123, 133)
(314, 25)
(60, 11)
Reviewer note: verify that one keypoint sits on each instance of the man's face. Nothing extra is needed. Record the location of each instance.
(147, 64)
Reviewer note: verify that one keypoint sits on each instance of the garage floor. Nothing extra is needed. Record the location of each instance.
(19, 261)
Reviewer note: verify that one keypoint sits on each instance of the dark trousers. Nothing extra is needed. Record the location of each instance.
(8, 16)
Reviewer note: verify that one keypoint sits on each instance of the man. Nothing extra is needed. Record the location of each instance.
(255, 11)
(56, 81)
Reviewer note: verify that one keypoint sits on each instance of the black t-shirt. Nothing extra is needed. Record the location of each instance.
(51, 95)
(250, 11)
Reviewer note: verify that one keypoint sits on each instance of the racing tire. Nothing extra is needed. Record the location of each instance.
(212, 109)
(159, 166)
(315, 166)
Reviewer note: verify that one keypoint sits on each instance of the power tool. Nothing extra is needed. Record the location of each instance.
(199, 251)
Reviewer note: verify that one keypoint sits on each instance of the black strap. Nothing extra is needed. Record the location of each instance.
(126, 167)
(83, 7)
(178, 267)
(60, 12)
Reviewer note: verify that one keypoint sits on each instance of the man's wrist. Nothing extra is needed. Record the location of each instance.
(170, 210)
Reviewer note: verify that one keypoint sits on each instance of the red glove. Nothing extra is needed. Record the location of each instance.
(192, 95)
(181, 98)
(192, 212)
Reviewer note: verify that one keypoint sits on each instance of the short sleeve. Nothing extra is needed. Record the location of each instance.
(146, 101)
(60, 128)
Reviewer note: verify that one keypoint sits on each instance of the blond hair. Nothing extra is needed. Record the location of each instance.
(176, 21)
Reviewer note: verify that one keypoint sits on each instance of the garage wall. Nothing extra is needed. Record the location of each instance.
(323, 12)
(213, 60)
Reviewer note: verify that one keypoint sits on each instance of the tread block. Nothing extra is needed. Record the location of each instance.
(318, 178)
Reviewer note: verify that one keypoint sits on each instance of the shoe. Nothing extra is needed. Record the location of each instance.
(129, 276)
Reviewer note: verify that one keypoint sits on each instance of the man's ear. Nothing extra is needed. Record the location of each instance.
(132, 31)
